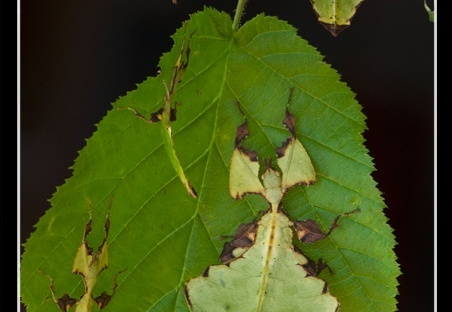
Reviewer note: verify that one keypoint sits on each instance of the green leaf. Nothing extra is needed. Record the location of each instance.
(161, 235)
(335, 15)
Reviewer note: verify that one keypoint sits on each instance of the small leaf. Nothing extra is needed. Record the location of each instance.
(335, 15)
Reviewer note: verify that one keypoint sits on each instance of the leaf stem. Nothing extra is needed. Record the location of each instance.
(238, 14)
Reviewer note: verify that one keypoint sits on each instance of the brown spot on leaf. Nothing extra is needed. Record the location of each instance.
(289, 122)
(173, 112)
(157, 116)
(65, 302)
(308, 231)
(241, 133)
(102, 300)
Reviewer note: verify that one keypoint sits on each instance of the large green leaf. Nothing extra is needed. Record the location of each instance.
(159, 233)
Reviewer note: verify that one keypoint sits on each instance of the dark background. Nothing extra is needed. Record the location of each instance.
(77, 57)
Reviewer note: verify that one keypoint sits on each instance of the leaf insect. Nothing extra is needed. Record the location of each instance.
(335, 16)
(262, 270)
(167, 114)
(88, 263)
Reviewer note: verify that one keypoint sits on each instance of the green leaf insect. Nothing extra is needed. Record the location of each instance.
(263, 270)
(165, 115)
(335, 15)
(89, 264)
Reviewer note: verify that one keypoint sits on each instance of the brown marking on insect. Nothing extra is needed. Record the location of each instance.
(102, 300)
(281, 151)
(206, 272)
(252, 155)
(244, 238)
(314, 269)
(325, 288)
(187, 297)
